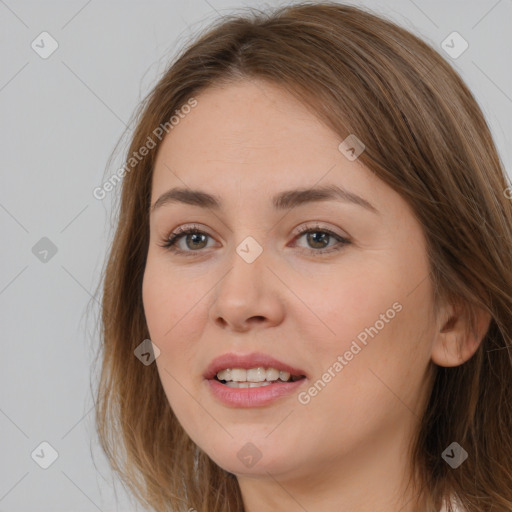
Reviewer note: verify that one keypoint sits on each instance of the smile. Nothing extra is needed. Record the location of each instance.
(254, 377)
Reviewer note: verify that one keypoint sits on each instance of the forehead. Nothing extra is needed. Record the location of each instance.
(251, 131)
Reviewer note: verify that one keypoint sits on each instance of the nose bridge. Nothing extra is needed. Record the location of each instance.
(247, 272)
(247, 289)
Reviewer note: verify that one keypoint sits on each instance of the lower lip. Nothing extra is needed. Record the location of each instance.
(252, 397)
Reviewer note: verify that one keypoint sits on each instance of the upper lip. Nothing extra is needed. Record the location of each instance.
(246, 361)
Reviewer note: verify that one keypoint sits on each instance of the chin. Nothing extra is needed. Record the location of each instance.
(243, 456)
(261, 468)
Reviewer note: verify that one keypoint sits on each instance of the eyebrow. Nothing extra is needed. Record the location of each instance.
(282, 201)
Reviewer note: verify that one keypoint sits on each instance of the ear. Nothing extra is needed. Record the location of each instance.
(459, 332)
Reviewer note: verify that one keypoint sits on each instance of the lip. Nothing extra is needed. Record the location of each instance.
(251, 397)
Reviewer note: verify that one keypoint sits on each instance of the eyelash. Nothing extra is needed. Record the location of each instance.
(170, 242)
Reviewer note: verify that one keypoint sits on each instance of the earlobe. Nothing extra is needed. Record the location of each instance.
(454, 342)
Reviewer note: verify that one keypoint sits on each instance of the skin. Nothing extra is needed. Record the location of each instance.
(347, 448)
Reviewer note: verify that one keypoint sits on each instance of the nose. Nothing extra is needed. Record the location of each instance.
(248, 296)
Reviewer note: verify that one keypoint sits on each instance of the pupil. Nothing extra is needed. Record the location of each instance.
(196, 235)
(315, 235)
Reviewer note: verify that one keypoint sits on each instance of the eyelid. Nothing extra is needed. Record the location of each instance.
(318, 225)
(184, 229)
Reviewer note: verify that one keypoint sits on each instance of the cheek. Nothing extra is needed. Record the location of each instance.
(175, 308)
(345, 302)
(377, 317)
(361, 390)
(169, 318)
(385, 361)
(167, 299)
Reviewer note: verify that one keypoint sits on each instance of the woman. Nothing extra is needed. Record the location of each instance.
(315, 235)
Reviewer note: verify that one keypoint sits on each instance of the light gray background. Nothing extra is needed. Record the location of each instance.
(61, 118)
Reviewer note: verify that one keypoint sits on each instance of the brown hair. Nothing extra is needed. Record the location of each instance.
(426, 137)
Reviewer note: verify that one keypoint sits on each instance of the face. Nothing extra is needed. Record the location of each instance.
(335, 289)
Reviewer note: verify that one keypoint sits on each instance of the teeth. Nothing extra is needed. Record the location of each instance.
(224, 375)
(272, 374)
(284, 376)
(258, 376)
(232, 384)
(238, 375)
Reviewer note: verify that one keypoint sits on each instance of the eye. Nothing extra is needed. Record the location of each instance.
(318, 238)
(197, 238)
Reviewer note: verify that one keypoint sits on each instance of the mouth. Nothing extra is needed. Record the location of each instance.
(251, 380)
(254, 368)
(254, 377)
